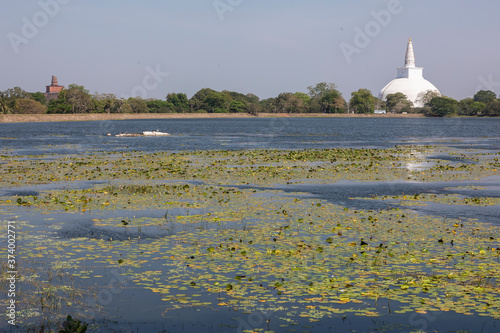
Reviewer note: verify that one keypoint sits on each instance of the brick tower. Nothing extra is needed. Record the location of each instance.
(53, 90)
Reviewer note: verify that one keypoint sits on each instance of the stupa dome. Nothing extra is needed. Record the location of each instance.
(410, 80)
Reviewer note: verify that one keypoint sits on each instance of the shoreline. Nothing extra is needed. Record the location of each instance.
(31, 118)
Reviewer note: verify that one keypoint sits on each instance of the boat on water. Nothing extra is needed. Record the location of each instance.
(154, 133)
(145, 133)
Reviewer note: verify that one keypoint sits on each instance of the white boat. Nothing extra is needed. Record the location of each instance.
(127, 135)
(154, 133)
(145, 133)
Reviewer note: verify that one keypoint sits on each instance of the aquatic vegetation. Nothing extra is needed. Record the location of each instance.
(245, 167)
(74, 326)
(209, 229)
(450, 199)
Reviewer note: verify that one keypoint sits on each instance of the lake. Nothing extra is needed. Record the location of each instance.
(233, 134)
(265, 224)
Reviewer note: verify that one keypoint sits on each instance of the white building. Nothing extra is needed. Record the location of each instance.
(410, 81)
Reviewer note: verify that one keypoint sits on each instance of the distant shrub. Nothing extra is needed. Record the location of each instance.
(29, 106)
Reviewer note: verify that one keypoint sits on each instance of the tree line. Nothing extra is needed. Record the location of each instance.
(321, 98)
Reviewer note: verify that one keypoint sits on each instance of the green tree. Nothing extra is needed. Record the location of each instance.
(9, 97)
(243, 103)
(79, 88)
(468, 107)
(138, 105)
(284, 102)
(477, 108)
(159, 106)
(268, 105)
(492, 109)
(251, 98)
(254, 108)
(75, 99)
(333, 102)
(59, 105)
(179, 101)
(79, 99)
(106, 103)
(202, 93)
(362, 101)
(304, 97)
(216, 102)
(485, 96)
(442, 106)
(125, 106)
(398, 103)
(237, 107)
(326, 98)
(4, 107)
(196, 102)
(426, 96)
(16, 93)
(39, 97)
(317, 91)
(290, 103)
(29, 106)
(239, 101)
(297, 105)
(235, 96)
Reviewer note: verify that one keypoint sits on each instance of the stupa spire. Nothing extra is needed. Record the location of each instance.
(410, 81)
(54, 80)
(410, 55)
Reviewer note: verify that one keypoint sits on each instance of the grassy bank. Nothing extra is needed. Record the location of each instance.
(25, 118)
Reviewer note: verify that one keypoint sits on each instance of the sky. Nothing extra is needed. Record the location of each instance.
(265, 47)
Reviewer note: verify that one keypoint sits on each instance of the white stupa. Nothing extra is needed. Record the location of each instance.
(410, 81)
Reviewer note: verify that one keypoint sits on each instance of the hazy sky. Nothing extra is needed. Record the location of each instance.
(263, 47)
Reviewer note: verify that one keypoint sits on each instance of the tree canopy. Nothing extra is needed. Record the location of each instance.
(469, 107)
(425, 97)
(29, 106)
(179, 102)
(442, 106)
(362, 101)
(398, 103)
(485, 96)
(75, 99)
(321, 98)
(326, 98)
